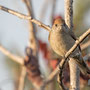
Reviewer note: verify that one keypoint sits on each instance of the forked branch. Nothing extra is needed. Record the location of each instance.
(23, 16)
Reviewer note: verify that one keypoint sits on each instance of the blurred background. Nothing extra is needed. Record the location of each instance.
(14, 36)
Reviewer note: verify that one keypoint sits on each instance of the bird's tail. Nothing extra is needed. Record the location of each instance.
(82, 65)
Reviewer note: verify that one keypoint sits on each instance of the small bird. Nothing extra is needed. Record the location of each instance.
(62, 39)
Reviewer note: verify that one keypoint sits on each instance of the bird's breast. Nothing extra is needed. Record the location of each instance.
(60, 42)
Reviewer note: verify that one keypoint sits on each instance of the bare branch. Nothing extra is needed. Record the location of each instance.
(69, 13)
(10, 55)
(85, 45)
(22, 78)
(22, 16)
(60, 77)
(32, 34)
(74, 75)
(74, 70)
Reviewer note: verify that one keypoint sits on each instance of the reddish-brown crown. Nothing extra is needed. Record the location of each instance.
(58, 21)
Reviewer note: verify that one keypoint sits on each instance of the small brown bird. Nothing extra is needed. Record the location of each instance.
(62, 39)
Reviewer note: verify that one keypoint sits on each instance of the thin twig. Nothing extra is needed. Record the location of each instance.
(85, 45)
(12, 56)
(23, 16)
(22, 78)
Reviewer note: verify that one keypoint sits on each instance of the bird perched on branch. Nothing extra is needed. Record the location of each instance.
(62, 39)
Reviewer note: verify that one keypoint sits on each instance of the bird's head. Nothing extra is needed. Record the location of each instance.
(58, 24)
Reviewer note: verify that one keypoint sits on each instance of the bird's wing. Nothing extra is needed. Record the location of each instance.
(74, 37)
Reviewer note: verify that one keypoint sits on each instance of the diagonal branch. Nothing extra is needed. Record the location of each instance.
(81, 38)
(23, 16)
(10, 55)
(85, 45)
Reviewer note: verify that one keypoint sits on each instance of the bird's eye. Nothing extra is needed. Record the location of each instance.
(56, 25)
